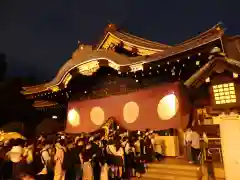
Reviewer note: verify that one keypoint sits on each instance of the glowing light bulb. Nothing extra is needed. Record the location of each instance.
(235, 75)
(207, 80)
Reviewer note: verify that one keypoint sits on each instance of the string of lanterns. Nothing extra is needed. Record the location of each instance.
(45, 108)
(137, 71)
(235, 75)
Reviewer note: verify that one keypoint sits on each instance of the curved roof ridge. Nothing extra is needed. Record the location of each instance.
(233, 37)
(201, 34)
(112, 30)
(142, 39)
(198, 75)
(83, 57)
(138, 42)
(85, 54)
(30, 87)
(203, 38)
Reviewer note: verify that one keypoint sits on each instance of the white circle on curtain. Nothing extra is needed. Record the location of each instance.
(130, 112)
(73, 117)
(97, 115)
(167, 107)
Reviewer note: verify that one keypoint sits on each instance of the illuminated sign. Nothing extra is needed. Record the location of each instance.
(224, 93)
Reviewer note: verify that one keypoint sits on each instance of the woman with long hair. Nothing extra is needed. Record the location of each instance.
(59, 172)
(86, 157)
(119, 160)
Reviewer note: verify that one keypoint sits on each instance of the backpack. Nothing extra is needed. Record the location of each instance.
(29, 157)
(48, 164)
(37, 163)
(67, 160)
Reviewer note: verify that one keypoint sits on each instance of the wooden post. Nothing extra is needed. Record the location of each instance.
(180, 134)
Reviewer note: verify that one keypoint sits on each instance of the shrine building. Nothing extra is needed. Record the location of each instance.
(145, 84)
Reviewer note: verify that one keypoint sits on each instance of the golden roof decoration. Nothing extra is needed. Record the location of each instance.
(202, 39)
(114, 36)
(42, 103)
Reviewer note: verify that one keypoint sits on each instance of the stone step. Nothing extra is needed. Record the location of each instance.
(166, 177)
(147, 178)
(171, 171)
(191, 173)
(174, 166)
(157, 176)
(219, 173)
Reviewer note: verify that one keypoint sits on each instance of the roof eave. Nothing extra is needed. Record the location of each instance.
(197, 79)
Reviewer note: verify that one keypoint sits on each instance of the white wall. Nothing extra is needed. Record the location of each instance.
(230, 139)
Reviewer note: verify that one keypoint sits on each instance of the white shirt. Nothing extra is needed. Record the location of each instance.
(187, 136)
(158, 144)
(28, 153)
(15, 154)
(120, 152)
(111, 149)
(153, 141)
(126, 147)
(137, 146)
(205, 138)
(45, 157)
(195, 139)
(45, 154)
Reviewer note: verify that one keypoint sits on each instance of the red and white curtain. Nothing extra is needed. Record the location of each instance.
(156, 108)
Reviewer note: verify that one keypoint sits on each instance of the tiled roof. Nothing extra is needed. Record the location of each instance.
(85, 54)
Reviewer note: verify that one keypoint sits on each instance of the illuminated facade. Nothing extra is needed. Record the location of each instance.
(121, 63)
(144, 84)
(195, 81)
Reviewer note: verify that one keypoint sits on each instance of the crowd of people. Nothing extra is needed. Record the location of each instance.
(117, 155)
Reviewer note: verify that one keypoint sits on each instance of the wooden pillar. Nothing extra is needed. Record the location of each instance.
(180, 134)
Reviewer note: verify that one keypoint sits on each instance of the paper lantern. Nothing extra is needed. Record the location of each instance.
(167, 107)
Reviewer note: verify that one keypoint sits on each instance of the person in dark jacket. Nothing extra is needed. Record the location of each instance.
(97, 153)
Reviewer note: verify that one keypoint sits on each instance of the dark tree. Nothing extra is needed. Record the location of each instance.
(3, 66)
(28, 81)
(14, 106)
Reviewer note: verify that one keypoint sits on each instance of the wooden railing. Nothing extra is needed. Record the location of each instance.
(211, 151)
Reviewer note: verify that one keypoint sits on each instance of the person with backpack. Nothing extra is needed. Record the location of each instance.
(71, 158)
(97, 153)
(43, 159)
(86, 157)
(104, 161)
(129, 156)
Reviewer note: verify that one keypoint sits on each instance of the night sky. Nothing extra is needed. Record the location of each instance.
(39, 36)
